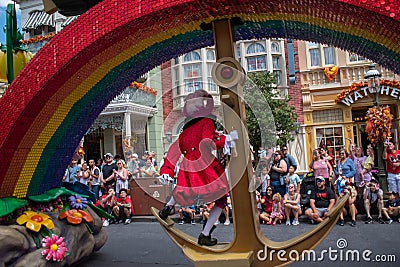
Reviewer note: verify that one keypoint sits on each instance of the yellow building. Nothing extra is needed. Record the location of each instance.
(327, 72)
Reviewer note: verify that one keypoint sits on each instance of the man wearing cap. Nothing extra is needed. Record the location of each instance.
(322, 200)
(373, 199)
(108, 173)
(392, 208)
(133, 165)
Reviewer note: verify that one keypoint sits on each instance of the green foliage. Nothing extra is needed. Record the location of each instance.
(270, 119)
(9, 204)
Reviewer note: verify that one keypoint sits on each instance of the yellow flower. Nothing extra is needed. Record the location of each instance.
(34, 220)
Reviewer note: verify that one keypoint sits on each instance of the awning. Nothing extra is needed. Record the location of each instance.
(68, 21)
(39, 18)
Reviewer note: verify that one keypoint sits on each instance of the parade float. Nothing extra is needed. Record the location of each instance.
(92, 60)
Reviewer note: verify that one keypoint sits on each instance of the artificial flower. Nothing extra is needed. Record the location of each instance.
(54, 248)
(75, 216)
(78, 202)
(331, 72)
(141, 87)
(355, 86)
(34, 220)
(379, 124)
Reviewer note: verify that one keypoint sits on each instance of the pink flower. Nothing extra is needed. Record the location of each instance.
(54, 248)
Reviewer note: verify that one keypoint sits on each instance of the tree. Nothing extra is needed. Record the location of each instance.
(270, 119)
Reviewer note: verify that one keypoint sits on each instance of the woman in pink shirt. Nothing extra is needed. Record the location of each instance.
(321, 167)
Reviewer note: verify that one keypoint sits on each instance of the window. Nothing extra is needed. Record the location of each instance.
(210, 55)
(192, 77)
(333, 115)
(329, 56)
(176, 77)
(256, 63)
(330, 137)
(255, 48)
(320, 55)
(315, 59)
(176, 61)
(210, 82)
(276, 63)
(278, 76)
(275, 47)
(192, 56)
(354, 57)
(193, 85)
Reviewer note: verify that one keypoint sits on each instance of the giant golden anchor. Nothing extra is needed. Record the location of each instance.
(249, 246)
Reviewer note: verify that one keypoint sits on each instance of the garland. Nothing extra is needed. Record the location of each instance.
(379, 123)
(141, 87)
(37, 39)
(355, 86)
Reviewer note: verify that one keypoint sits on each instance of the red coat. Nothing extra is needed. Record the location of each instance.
(200, 173)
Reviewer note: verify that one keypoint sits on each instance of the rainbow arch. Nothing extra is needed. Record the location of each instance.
(54, 100)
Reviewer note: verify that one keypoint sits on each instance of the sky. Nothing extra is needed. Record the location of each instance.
(3, 8)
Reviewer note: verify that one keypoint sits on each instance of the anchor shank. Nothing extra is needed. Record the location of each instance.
(242, 200)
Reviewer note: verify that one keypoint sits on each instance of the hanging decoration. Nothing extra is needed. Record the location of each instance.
(379, 123)
(331, 72)
(358, 85)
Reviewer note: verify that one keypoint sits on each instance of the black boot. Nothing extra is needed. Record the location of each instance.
(206, 240)
(165, 212)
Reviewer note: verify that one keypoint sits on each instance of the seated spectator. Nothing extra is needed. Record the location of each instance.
(292, 205)
(187, 212)
(122, 209)
(276, 214)
(307, 186)
(322, 200)
(373, 200)
(349, 206)
(391, 209)
(206, 211)
(266, 202)
(108, 202)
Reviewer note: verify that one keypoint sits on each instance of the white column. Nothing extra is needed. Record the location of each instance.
(128, 132)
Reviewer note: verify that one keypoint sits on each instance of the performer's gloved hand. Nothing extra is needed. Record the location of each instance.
(234, 135)
(165, 178)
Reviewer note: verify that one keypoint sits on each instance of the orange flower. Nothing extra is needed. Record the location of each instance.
(379, 123)
(75, 216)
(143, 88)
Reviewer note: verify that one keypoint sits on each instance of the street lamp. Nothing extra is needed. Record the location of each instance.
(373, 77)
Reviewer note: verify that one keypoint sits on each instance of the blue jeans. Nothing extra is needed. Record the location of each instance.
(278, 188)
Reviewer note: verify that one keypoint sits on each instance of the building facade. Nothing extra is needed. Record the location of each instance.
(326, 72)
(130, 122)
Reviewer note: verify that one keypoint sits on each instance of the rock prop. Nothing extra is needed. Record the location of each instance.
(39, 233)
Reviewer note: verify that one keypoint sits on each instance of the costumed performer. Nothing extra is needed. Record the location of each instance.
(201, 174)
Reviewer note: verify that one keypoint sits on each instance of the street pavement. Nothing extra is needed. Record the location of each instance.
(145, 244)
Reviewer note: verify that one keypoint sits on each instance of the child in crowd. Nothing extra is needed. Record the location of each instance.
(276, 213)
(293, 178)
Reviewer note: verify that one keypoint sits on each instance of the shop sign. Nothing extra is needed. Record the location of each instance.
(367, 92)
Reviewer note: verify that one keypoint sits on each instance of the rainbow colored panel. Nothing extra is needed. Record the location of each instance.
(54, 100)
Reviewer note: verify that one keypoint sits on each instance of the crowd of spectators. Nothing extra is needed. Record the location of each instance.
(282, 196)
(330, 178)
